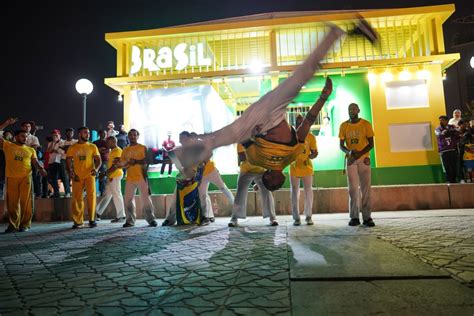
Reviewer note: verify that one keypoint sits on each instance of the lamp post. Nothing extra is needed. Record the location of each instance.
(84, 87)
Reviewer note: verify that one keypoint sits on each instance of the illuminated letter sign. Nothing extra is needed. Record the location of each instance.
(180, 57)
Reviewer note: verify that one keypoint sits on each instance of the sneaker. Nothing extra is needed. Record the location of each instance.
(153, 224)
(128, 225)
(92, 224)
(233, 222)
(97, 218)
(23, 229)
(76, 226)
(354, 222)
(118, 220)
(309, 220)
(273, 222)
(297, 222)
(369, 222)
(212, 219)
(68, 195)
(166, 222)
(10, 230)
(205, 221)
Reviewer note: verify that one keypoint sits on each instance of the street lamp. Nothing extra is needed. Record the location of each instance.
(84, 87)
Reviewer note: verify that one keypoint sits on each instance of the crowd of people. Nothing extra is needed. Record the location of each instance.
(267, 144)
(456, 147)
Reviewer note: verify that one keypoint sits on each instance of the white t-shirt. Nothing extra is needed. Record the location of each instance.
(32, 140)
(67, 143)
(55, 157)
(454, 121)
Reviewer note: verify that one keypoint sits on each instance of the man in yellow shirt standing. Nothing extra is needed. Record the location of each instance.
(302, 168)
(134, 159)
(113, 184)
(249, 173)
(83, 162)
(19, 197)
(356, 140)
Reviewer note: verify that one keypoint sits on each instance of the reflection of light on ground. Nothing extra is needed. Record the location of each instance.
(304, 255)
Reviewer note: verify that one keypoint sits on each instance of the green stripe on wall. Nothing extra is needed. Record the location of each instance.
(327, 178)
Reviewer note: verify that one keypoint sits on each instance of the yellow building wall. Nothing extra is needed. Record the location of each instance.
(383, 117)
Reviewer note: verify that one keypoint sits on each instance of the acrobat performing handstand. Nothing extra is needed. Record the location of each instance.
(269, 141)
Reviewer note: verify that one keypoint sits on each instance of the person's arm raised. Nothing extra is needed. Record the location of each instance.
(313, 113)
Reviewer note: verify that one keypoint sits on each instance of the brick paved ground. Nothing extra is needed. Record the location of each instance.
(217, 270)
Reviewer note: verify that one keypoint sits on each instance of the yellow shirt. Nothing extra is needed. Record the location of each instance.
(247, 167)
(271, 155)
(208, 168)
(137, 152)
(468, 152)
(356, 135)
(17, 159)
(115, 153)
(83, 158)
(303, 165)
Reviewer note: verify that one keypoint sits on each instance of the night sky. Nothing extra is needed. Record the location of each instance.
(51, 44)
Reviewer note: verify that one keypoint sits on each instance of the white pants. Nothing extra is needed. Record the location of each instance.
(112, 191)
(358, 174)
(216, 179)
(240, 205)
(147, 205)
(295, 196)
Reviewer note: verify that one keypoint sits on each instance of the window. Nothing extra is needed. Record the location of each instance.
(407, 94)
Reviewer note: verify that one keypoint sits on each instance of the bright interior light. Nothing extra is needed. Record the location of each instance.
(120, 98)
(472, 62)
(387, 76)
(444, 76)
(84, 86)
(256, 66)
(372, 77)
(422, 74)
(404, 75)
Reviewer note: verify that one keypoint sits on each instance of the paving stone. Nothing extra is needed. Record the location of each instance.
(389, 297)
(352, 256)
(196, 296)
(210, 278)
(259, 297)
(215, 270)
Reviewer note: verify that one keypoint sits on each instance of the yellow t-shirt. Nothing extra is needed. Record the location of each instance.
(83, 158)
(208, 168)
(468, 152)
(115, 153)
(271, 155)
(303, 165)
(246, 166)
(17, 159)
(356, 135)
(137, 152)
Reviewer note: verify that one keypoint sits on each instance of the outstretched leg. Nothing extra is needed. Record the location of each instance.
(264, 114)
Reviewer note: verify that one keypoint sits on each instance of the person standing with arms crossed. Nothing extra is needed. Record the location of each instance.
(356, 141)
(83, 162)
